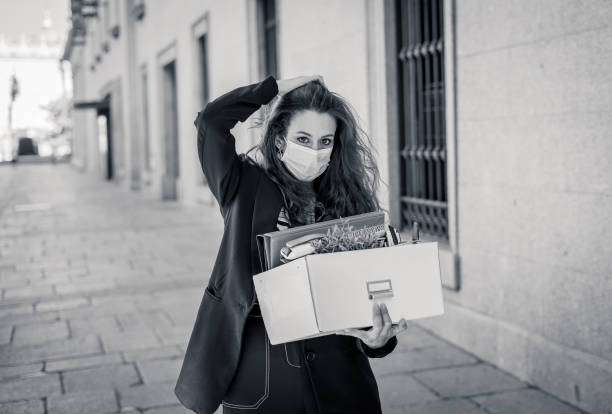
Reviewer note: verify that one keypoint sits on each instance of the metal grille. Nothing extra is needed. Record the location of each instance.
(422, 115)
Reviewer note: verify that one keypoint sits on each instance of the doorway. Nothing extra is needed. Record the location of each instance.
(171, 150)
(105, 138)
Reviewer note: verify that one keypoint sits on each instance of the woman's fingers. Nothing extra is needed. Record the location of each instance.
(382, 330)
(377, 319)
(401, 326)
(384, 311)
(387, 324)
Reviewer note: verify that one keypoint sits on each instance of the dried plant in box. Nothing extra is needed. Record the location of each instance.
(344, 238)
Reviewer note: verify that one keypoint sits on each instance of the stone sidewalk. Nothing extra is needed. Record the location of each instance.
(99, 292)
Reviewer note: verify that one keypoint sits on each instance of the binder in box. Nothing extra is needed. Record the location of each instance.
(270, 244)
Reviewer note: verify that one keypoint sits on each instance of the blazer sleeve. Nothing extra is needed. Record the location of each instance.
(216, 145)
(377, 352)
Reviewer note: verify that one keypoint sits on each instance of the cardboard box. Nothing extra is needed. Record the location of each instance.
(320, 294)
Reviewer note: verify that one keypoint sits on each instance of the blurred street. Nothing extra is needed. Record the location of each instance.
(100, 289)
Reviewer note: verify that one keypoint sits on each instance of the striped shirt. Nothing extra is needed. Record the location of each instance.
(283, 222)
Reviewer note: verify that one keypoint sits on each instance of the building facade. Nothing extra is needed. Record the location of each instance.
(489, 121)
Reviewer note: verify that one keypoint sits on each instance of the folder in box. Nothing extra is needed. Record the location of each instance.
(270, 244)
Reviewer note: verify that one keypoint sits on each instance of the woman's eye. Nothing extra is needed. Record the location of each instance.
(305, 140)
(327, 141)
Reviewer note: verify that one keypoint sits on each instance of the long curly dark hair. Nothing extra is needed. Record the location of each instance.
(349, 184)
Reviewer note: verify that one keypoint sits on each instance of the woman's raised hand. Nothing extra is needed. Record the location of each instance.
(286, 85)
(382, 330)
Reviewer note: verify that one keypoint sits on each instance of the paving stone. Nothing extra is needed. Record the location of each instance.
(84, 287)
(56, 305)
(137, 280)
(14, 283)
(165, 267)
(183, 314)
(97, 401)
(20, 370)
(86, 345)
(107, 376)
(182, 296)
(188, 280)
(159, 370)
(150, 286)
(65, 271)
(174, 335)
(527, 401)
(138, 320)
(31, 300)
(402, 390)
(97, 311)
(56, 281)
(26, 267)
(36, 333)
(148, 396)
(9, 312)
(23, 407)
(120, 298)
(440, 355)
(130, 340)
(415, 337)
(29, 317)
(168, 351)
(457, 406)
(28, 291)
(468, 380)
(101, 325)
(65, 287)
(30, 387)
(21, 269)
(85, 362)
(54, 260)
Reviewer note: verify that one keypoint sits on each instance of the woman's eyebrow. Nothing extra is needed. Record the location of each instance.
(306, 133)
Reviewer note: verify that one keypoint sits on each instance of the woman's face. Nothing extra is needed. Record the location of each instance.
(311, 129)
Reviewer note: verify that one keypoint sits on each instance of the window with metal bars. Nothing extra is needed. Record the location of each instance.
(266, 19)
(420, 40)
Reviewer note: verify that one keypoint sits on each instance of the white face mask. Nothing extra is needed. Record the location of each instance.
(305, 163)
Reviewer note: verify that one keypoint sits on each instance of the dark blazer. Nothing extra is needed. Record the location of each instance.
(250, 203)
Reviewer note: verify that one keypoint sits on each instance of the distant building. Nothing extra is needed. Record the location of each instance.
(491, 122)
(41, 80)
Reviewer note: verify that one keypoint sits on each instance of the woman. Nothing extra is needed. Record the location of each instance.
(311, 165)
